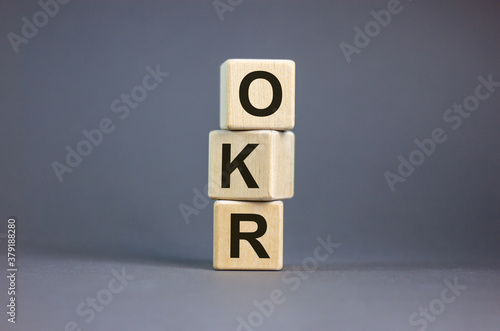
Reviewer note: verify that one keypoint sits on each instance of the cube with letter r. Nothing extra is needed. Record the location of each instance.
(248, 235)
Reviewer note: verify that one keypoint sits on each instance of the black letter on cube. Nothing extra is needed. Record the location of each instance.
(251, 237)
(238, 163)
(277, 93)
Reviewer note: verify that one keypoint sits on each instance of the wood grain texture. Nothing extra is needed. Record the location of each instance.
(271, 240)
(271, 164)
(232, 114)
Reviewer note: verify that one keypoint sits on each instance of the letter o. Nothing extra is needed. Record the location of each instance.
(45, 19)
(101, 294)
(313, 264)
(420, 160)
(475, 103)
(143, 93)
(88, 148)
(277, 93)
(253, 322)
(371, 33)
(432, 305)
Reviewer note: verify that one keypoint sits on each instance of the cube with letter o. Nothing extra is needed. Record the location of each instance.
(257, 94)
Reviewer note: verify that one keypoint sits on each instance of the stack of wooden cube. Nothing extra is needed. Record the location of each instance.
(251, 163)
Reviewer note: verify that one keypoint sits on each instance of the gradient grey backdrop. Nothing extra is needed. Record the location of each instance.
(352, 122)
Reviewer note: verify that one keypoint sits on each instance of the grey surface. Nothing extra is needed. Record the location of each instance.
(353, 120)
(171, 296)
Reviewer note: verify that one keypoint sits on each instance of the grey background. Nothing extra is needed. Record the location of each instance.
(352, 122)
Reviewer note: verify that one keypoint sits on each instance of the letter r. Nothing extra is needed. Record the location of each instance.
(251, 237)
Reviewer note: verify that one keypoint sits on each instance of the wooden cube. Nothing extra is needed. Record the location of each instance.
(248, 235)
(257, 94)
(251, 165)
